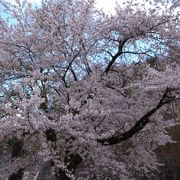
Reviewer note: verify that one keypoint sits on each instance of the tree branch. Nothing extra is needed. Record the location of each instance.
(139, 125)
(120, 48)
(138, 53)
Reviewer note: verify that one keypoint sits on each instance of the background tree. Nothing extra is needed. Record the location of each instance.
(79, 102)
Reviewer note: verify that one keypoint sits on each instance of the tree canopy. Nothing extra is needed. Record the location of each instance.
(87, 91)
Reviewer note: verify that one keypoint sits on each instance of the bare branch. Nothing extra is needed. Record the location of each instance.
(120, 48)
(138, 53)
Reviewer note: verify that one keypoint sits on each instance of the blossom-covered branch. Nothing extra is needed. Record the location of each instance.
(139, 125)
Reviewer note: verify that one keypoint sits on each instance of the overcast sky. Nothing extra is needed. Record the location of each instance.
(106, 5)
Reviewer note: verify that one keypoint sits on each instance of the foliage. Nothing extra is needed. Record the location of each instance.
(75, 99)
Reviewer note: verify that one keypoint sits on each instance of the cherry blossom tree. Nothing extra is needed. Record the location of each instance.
(71, 94)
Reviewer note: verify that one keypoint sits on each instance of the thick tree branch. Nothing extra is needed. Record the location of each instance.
(70, 63)
(139, 125)
(70, 67)
(120, 48)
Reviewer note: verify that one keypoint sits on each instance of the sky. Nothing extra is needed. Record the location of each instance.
(106, 5)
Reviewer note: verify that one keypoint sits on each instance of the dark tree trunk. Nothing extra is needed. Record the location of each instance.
(61, 175)
(17, 176)
(17, 152)
(73, 160)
